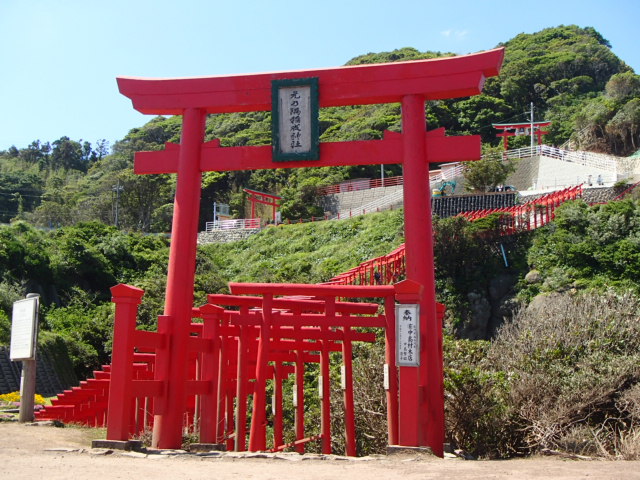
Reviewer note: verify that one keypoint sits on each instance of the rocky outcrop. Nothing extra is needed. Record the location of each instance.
(489, 308)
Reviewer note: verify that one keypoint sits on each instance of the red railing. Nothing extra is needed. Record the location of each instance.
(529, 216)
(390, 268)
(627, 191)
(383, 270)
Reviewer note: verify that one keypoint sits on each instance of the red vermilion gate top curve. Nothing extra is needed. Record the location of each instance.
(439, 78)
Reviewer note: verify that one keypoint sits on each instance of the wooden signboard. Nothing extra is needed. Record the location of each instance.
(24, 328)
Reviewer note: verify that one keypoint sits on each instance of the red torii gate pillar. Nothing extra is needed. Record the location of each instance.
(180, 277)
(421, 420)
(418, 233)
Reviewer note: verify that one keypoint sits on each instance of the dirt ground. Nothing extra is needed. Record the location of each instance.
(28, 452)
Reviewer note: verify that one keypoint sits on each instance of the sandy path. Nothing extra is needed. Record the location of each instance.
(25, 454)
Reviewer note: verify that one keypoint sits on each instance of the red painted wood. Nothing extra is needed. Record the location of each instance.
(340, 291)
(120, 410)
(181, 273)
(389, 150)
(392, 372)
(299, 406)
(349, 408)
(439, 78)
(290, 303)
(241, 392)
(210, 374)
(418, 241)
(407, 82)
(280, 373)
(258, 435)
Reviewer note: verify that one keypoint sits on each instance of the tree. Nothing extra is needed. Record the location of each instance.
(486, 174)
(623, 86)
(140, 197)
(624, 127)
(476, 114)
(102, 149)
(68, 154)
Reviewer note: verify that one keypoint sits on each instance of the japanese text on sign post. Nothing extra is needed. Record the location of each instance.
(295, 119)
(408, 335)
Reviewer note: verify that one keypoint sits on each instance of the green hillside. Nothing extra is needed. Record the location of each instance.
(541, 328)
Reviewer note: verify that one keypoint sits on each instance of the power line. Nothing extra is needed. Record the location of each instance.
(22, 195)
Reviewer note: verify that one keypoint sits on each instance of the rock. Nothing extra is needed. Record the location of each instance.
(542, 301)
(501, 285)
(503, 311)
(225, 236)
(100, 451)
(533, 277)
(476, 328)
(464, 454)
(134, 454)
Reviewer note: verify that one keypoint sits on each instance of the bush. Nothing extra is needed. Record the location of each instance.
(88, 329)
(477, 409)
(570, 363)
(564, 375)
(589, 246)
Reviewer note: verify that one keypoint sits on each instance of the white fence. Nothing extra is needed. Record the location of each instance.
(623, 167)
(447, 173)
(235, 224)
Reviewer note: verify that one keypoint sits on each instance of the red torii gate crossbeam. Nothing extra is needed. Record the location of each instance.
(408, 83)
(514, 129)
(264, 199)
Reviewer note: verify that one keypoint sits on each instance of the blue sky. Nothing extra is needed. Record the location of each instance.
(59, 58)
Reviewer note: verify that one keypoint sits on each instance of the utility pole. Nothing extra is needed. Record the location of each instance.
(532, 143)
(117, 188)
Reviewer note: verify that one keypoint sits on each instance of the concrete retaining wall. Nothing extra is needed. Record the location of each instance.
(225, 236)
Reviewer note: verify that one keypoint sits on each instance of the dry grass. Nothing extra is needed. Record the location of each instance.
(563, 375)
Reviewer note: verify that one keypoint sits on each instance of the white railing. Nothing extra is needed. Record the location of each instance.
(446, 174)
(451, 173)
(235, 224)
(380, 203)
(596, 160)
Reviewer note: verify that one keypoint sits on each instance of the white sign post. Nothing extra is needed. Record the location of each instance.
(408, 335)
(24, 336)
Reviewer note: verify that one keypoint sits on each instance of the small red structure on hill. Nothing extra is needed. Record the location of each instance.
(262, 198)
(517, 129)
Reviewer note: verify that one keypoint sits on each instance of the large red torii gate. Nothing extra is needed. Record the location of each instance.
(411, 83)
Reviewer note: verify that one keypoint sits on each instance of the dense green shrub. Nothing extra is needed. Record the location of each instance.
(88, 328)
(588, 246)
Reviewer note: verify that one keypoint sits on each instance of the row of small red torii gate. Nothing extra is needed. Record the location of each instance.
(274, 333)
